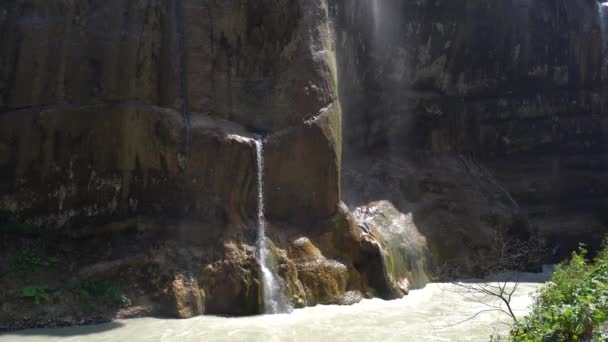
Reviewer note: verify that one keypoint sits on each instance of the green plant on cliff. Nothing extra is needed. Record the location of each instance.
(36, 293)
(92, 293)
(27, 261)
(573, 306)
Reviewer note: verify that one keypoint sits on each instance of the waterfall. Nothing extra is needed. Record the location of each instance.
(183, 64)
(274, 299)
(377, 16)
(601, 8)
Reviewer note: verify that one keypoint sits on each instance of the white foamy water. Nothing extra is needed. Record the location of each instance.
(602, 10)
(376, 14)
(425, 315)
(274, 299)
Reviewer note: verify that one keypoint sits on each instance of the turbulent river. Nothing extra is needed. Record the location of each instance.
(428, 314)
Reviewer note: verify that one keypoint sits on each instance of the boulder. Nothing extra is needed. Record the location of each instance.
(324, 281)
(302, 250)
(185, 298)
(232, 284)
(405, 251)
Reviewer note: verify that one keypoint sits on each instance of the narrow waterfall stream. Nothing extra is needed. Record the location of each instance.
(376, 15)
(274, 298)
(602, 10)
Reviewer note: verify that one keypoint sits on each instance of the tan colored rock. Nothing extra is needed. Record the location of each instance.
(288, 272)
(302, 250)
(348, 298)
(186, 298)
(232, 284)
(324, 281)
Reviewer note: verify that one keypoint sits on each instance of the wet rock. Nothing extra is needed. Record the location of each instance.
(186, 299)
(323, 280)
(405, 250)
(302, 250)
(135, 312)
(442, 210)
(404, 286)
(288, 273)
(348, 298)
(232, 284)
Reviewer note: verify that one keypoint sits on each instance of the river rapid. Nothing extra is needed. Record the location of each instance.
(429, 314)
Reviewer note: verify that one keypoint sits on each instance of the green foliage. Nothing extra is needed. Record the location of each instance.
(26, 261)
(93, 293)
(572, 306)
(38, 294)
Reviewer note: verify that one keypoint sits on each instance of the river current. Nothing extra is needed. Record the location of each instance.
(429, 314)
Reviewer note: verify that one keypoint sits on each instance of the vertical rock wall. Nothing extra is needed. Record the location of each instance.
(241, 67)
(515, 87)
(126, 148)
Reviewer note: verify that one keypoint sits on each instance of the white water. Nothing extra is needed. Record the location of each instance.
(602, 9)
(377, 16)
(274, 299)
(428, 314)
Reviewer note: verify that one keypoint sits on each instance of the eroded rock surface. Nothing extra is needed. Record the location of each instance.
(518, 87)
(133, 121)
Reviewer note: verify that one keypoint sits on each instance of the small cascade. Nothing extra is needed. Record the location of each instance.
(602, 10)
(274, 298)
(183, 85)
(377, 16)
(602, 16)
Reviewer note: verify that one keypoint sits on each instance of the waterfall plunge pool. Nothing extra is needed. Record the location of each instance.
(427, 314)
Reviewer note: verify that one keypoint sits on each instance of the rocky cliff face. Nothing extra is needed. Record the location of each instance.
(508, 95)
(263, 67)
(126, 147)
(126, 151)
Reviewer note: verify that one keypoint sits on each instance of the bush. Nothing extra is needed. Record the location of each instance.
(26, 261)
(39, 293)
(92, 293)
(572, 306)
